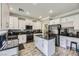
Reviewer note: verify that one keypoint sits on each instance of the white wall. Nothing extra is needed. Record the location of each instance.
(0, 16)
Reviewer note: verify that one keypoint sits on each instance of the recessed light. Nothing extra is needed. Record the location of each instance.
(28, 13)
(40, 16)
(50, 11)
(11, 8)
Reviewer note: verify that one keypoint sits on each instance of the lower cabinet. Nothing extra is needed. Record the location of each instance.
(22, 39)
(65, 42)
(9, 52)
(45, 46)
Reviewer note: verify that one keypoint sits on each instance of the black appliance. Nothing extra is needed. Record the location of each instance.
(57, 36)
(77, 34)
(28, 27)
(66, 32)
(57, 41)
(29, 33)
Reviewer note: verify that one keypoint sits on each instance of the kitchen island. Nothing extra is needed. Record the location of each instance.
(45, 45)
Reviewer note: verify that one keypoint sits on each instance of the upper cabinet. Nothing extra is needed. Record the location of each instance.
(55, 21)
(37, 25)
(13, 22)
(21, 23)
(67, 21)
(29, 22)
(5, 15)
(76, 22)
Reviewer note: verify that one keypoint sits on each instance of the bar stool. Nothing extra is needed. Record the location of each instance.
(71, 45)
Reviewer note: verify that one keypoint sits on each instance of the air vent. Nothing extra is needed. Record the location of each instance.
(21, 10)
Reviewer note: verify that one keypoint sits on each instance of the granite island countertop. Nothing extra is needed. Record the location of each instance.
(46, 37)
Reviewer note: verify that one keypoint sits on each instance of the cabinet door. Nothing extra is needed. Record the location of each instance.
(63, 41)
(9, 52)
(37, 25)
(36, 41)
(21, 24)
(23, 38)
(11, 22)
(52, 22)
(40, 42)
(20, 39)
(5, 16)
(15, 22)
(57, 21)
(45, 47)
(76, 22)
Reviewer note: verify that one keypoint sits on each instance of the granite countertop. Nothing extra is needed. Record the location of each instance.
(70, 36)
(47, 38)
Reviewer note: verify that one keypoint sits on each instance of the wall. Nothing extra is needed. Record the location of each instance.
(0, 16)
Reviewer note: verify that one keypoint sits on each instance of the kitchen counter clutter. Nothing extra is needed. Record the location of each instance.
(65, 42)
(45, 45)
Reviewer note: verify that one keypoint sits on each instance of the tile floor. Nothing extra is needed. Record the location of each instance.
(31, 50)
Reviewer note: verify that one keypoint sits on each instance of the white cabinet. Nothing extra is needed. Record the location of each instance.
(48, 47)
(13, 22)
(22, 39)
(5, 16)
(22, 24)
(63, 42)
(55, 21)
(52, 22)
(38, 42)
(76, 22)
(37, 25)
(67, 21)
(9, 52)
(44, 45)
(29, 22)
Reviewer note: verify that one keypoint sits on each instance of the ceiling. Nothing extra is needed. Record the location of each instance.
(42, 9)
